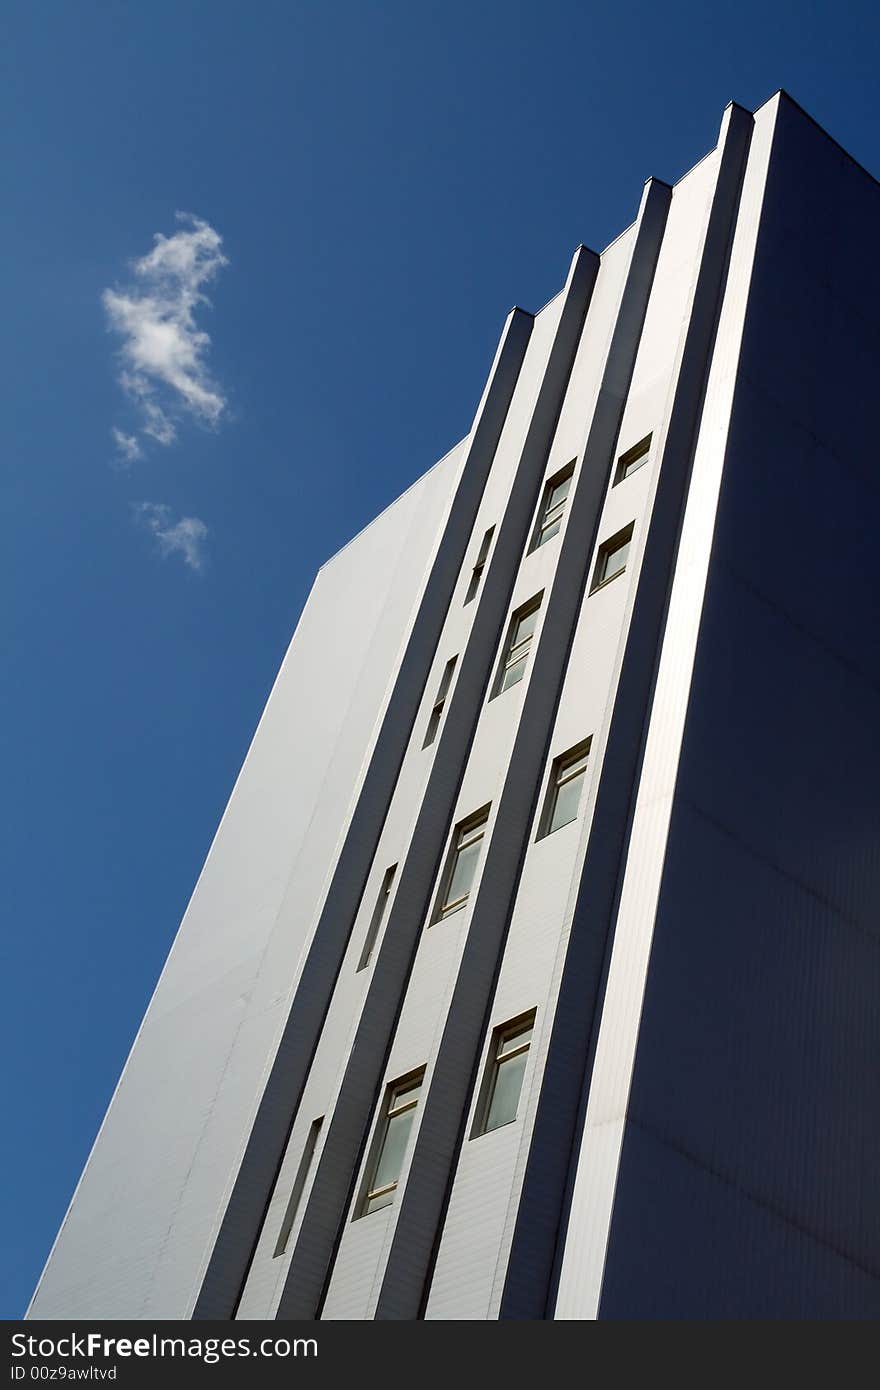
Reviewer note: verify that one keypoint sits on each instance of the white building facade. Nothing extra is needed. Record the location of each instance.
(534, 969)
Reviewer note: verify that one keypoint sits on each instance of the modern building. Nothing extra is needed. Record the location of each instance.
(534, 971)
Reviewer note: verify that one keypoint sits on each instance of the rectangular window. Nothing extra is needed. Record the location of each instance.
(477, 572)
(612, 558)
(634, 459)
(552, 506)
(504, 1077)
(377, 918)
(389, 1145)
(516, 648)
(296, 1191)
(437, 711)
(566, 784)
(461, 867)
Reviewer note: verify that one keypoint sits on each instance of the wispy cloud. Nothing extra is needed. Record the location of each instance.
(185, 537)
(163, 351)
(127, 446)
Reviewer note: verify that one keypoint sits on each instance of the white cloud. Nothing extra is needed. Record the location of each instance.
(185, 537)
(127, 445)
(157, 424)
(163, 352)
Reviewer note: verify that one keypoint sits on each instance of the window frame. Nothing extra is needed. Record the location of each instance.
(479, 567)
(544, 520)
(303, 1168)
(401, 1086)
(638, 455)
(496, 1058)
(377, 917)
(436, 716)
(508, 660)
(610, 547)
(561, 765)
(464, 834)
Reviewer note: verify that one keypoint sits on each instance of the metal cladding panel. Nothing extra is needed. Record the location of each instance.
(135, 1236)
(568, 1182)
(241, 1226)
(471, 1251)
(380, 1050)
(747, 1185)
(268, 1274)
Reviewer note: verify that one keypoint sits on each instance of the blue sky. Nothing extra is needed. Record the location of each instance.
(387, 180)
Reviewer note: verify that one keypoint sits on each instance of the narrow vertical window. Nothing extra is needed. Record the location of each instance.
(299, 1183)
(634, 459)
(552, 506)
(516, 648)
(461, 866)
(566, 784)
(504, 1076)
(389, 1145)
(436, 714)
(377, 918)
(612, 558)
(477, 572)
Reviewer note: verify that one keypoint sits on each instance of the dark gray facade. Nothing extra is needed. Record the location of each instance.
(693, 943)
(755, 1101)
